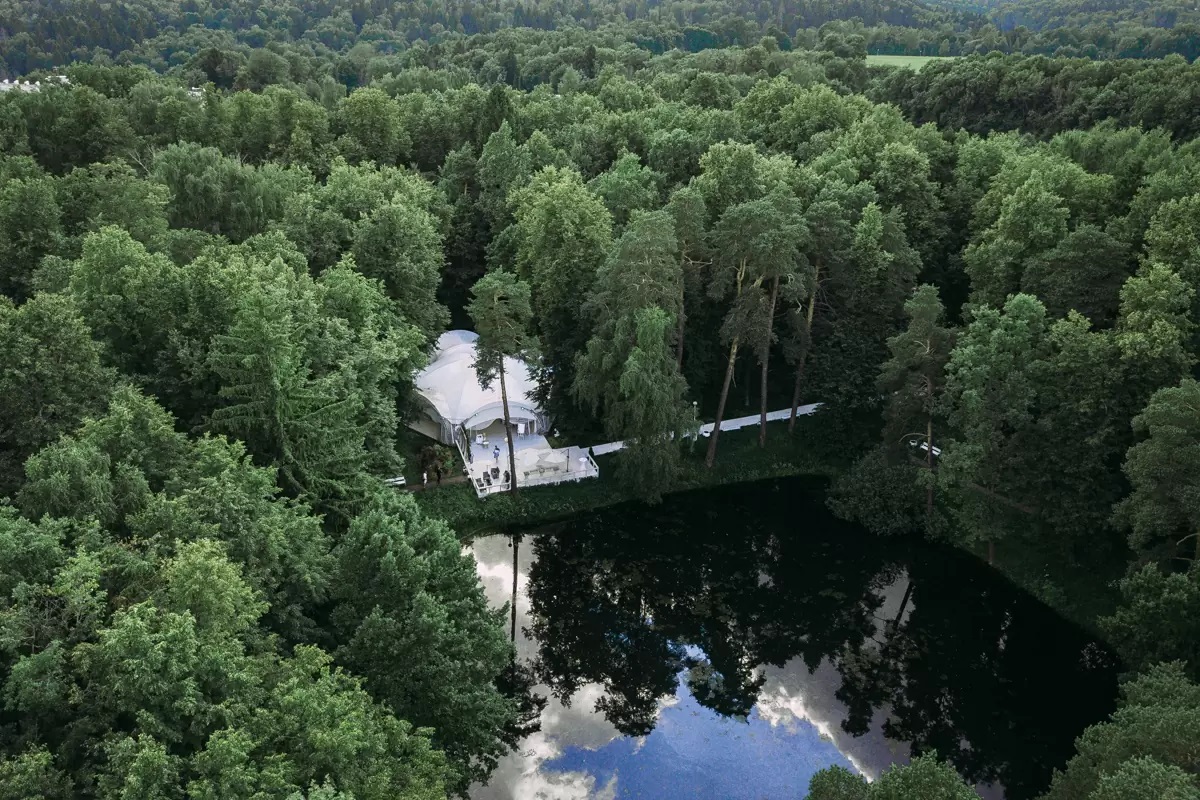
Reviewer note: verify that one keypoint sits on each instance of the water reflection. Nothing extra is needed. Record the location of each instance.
(729, 644)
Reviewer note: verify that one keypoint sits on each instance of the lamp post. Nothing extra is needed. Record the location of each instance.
(695, 426)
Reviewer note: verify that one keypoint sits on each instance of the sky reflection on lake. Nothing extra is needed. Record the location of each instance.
(692, 752)
(731, 644)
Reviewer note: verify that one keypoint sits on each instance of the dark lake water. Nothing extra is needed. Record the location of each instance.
(729, 644)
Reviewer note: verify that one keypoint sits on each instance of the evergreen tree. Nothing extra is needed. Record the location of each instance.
(878, 492)
(622, 374)
(501, 311)
(411, 617)
(752, 240)
(820, 293)
(688, 217)
(1157, 721)
(306, 426)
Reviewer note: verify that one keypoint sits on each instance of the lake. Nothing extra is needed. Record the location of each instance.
(730, 643)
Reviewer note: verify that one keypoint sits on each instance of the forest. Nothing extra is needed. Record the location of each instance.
(231, 233)
(352, 35)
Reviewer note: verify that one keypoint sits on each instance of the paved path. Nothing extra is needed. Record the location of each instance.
(726, 425)
(705, 430)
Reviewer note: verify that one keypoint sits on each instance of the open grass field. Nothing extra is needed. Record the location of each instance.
(908, 62)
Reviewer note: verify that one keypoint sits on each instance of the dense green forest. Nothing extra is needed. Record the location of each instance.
(342, 38)
(214, 301)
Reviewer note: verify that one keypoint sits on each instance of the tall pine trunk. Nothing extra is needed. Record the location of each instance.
(766, 359)
(895, 623)
(711, 456)
(804, 348)
(516, 543)
(512, 455)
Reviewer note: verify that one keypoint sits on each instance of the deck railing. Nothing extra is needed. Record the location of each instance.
(539, 476)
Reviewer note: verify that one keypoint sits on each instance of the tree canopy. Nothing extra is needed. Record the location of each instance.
(231, 235)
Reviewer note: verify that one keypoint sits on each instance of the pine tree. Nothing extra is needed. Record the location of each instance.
(501, 311)
(914, 378)
(305, 426)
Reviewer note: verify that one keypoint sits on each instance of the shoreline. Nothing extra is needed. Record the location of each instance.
(1081, 595)
(740, 460)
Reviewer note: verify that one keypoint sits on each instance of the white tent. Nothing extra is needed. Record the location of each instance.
(455, 400)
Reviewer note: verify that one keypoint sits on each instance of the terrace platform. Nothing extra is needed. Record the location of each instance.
(538, 464)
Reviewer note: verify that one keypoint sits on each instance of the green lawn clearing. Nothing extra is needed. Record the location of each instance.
(908, 62)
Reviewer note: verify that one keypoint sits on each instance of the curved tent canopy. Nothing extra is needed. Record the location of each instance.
(451, 387)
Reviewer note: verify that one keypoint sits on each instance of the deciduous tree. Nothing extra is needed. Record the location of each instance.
(627, 186)
(1162, 511)
(651, 411)
(925, 778)
(563, 233)
(30, 227)
(371, 128)
(51, 375)
(401, 246)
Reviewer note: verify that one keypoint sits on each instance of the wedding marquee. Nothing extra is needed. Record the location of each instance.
(456, 402)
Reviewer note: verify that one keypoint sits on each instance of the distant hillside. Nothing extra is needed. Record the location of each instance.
(1042, 14)
(44, 34)
(37, 33)
(978, 7)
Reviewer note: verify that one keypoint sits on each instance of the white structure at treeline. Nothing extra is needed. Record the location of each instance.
(7, 85)
(30, 86)
(459, 411)
(456, 402)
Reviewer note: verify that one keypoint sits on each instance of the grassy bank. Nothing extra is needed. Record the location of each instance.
(739, 460)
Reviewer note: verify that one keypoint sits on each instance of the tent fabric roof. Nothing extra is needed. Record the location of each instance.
(451, 385)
